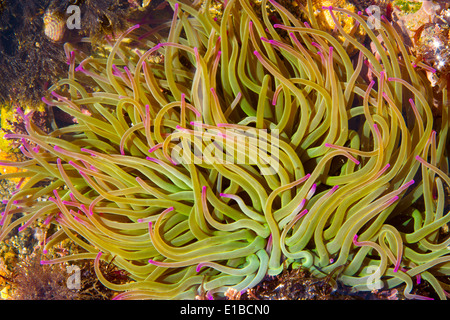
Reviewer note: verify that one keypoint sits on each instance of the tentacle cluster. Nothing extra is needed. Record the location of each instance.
(250, 147)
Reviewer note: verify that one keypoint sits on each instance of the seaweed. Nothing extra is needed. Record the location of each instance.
(29, 60)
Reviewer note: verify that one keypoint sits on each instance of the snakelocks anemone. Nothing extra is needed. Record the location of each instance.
(209, 152)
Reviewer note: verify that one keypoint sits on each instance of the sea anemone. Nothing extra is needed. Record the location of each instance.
(250, 147)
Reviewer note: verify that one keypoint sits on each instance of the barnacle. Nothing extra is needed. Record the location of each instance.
(54, 25)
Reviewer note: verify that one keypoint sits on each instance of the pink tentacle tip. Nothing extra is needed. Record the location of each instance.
(44, 99)
(44, 262)
(20, 111)
(274, 42)
(418, 279)
(408, 184)
(152, 159)
(301, 214)
(313, 189)
(195, 124)
(222, 135)
(152, 149)
(355, 239)
(170, 209)
(199, 267)
(7, 136)
(45, 251)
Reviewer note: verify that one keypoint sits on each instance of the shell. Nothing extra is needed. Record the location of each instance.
(54, 25)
